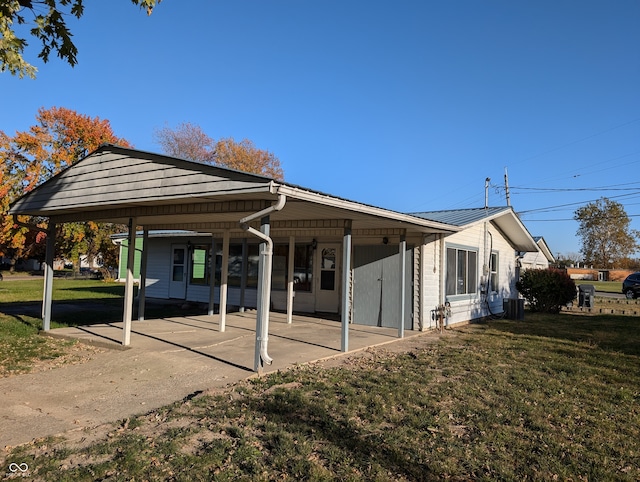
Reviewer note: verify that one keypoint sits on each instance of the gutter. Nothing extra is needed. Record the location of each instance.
(264, 280)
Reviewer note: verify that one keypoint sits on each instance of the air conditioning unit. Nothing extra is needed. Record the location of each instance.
(513, 308)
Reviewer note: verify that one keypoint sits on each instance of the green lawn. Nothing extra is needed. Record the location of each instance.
(604, 286)
(63, 290)
(549, 398)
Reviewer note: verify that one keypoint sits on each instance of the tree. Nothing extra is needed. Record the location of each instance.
(605, 233)
(569, 259)
(60, 138)
(188, 141)
(546, 290)
(49, 26)
(245, 156)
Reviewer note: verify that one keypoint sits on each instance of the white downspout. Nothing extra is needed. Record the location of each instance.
(265, 292)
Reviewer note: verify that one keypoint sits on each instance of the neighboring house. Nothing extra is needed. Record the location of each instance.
(591, 274)
(367, 264)
(540, 259)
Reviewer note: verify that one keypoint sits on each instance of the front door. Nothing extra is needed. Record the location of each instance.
(178, 283)
(328, 278)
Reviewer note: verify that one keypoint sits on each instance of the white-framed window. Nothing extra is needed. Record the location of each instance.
(493, 271)
(199, 272)
(462, 271)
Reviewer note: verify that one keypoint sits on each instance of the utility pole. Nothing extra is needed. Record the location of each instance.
(506, 186)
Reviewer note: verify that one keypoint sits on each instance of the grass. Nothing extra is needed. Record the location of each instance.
(21, 291)
(20, 348)
(549, 398)
(604, 286)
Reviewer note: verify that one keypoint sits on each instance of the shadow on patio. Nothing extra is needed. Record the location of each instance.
(306, 339)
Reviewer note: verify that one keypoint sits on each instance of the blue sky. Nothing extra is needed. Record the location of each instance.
(407, 105)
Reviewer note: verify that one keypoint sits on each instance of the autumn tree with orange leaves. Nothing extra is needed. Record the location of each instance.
(188, 141)
(60, 138)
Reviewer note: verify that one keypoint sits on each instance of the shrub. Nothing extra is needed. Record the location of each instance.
(546, 290)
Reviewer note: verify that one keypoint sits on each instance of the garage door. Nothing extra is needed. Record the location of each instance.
(376, 286)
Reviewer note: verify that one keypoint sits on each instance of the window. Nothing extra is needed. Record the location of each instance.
(236, 266)
(302, 267)
(462, 269)
(493, 272)
(199, 265)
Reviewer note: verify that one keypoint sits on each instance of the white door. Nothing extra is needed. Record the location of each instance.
(327, 280)
(178, 279)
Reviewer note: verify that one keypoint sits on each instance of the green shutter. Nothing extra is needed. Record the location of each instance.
(124, 253)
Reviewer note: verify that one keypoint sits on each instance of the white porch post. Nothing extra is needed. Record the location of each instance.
(128, 288)
(224, 278)
(212, 277)
(243, 273)
(48, 277)
(264, 297)
(403, 287)
(142, 288)
(290, 275)
(346, 287)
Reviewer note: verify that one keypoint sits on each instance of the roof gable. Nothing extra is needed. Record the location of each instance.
(544, 248)
(114, 176)
(504, 218)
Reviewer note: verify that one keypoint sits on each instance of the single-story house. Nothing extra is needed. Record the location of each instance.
(282, 246)
(540, 259)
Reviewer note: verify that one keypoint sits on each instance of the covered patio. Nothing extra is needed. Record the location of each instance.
(156, 192)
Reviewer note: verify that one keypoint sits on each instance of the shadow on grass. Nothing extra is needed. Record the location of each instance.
(113, 290)
(366, 450)
(608, 332)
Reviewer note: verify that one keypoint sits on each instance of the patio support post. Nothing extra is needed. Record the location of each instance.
(290, 280)
(48, 277)
(142, 289)
(264, 279)
(224, 278)
(264, 292)
(346, 286)
(243, 273)
(212, 277)
(128, 288)
(403, 287)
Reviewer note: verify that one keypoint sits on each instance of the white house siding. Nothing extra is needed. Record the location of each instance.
(158, 267)
(430, 279)
(472, 306)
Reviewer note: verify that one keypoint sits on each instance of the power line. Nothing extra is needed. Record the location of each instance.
(573, 219)
(576, 189)
(581, 140)
(547, 208)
